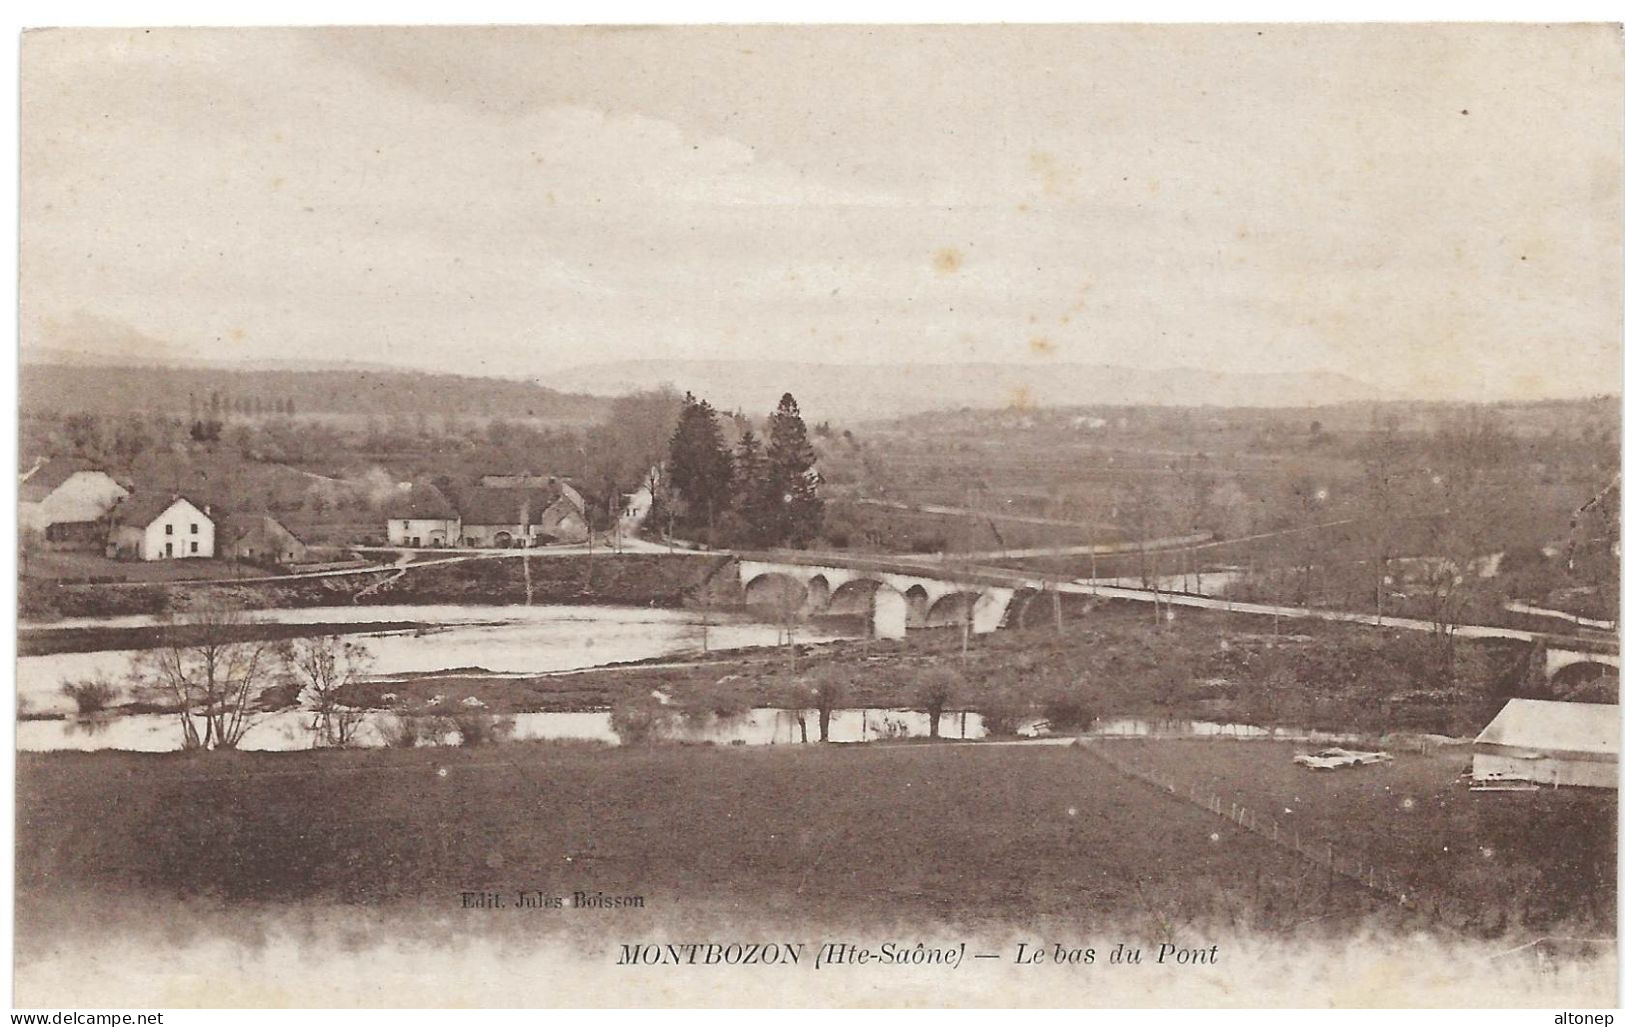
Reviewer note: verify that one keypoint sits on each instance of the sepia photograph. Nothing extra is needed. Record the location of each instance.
(819, 515)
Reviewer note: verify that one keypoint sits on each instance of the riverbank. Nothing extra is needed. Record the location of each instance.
(1210, 666)
(51, 641)
(639, 579)
(1104, 661)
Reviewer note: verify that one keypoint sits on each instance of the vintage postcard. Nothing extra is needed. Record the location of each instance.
(1093, 515)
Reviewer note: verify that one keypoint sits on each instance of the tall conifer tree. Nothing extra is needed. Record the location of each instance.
(792, 477)
(700, 466)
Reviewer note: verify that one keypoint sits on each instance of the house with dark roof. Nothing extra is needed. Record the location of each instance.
(420, 515)
(527, 480)
(160, 526)
(507, 517)
(67, 500)
(260, 539)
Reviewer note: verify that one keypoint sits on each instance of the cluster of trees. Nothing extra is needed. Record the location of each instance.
(251, 405)
(757, 492)
(1056, 695)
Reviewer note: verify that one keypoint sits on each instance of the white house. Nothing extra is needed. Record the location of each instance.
(156, 526)
(421, 516)
(66, 501)
(637, 504)
(1552, 743)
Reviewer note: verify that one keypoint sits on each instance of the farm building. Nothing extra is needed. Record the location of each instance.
(1553, 743)
(261, 539)
(159, 526)
(67, 500)
(506, 517)
(421, 515)
(527, 480)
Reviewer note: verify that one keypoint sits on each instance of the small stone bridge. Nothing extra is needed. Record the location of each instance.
(1578, 665)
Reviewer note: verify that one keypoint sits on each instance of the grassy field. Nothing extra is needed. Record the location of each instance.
(984, 837)
(1541, 860)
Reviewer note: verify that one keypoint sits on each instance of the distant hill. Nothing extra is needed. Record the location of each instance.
(847, 392)
(181, 391)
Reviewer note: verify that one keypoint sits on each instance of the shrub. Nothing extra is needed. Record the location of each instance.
(1070, 708)
(727, 699)
(639, 720)
(403, 730)
(92, 695)
(1003, 709)
(477, 727)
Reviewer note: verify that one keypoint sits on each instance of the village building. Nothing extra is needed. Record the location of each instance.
(1539, 742)
(261, 539)
(527, 480)
(67, 501)
(508, 517)
(421, 516)
(160, 526)
(637, 504)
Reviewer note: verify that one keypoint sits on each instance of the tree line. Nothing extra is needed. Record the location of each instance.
(759, 491)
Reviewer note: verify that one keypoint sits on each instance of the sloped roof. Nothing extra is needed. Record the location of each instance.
(239, 525)
(141, 508)
(422, 501)
(487, 505)
(44, 478)
(1543, 725)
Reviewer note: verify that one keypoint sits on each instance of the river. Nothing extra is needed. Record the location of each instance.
(500, 639)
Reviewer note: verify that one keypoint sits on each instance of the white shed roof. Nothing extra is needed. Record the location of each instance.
(1541, 724)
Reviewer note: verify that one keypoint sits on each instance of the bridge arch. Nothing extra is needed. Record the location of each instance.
(918, 606)
(818, 593)
(952, 609)
(855, 596)
(882, 604)
(1579, 672)
(775, 592)
(1021, 603)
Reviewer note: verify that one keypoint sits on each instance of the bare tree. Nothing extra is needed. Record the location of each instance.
(323, 667)
(1384, 489)
(935, 689)
(827, 689)
(1462, 503)
(796, 696)
(1190, 499)
(211, 673)
(1144, 514)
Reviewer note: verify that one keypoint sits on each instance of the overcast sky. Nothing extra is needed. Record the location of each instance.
(1433, 210)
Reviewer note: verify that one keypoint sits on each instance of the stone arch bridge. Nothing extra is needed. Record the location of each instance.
(899, 593)
(1578, 665)
(893, 597)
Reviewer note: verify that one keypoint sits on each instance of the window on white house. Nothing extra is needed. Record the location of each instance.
(194, 547)
(169, 529)
(194, 529)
